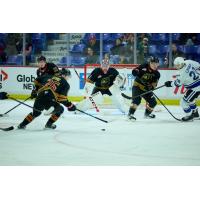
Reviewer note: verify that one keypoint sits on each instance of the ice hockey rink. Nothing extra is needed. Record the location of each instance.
(79, 139)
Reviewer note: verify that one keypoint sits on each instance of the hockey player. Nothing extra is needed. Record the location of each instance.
(3, 95)
(146, 78)
(189, 76)
(52, 90)
(104, 80)
(44, 68)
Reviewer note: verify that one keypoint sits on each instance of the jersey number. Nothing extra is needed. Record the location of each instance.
(52, 85)
(193, 75)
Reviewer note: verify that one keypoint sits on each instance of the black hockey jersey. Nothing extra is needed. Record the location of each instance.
(57, 85)
(145, 76)
(101, 80)
(49, 69)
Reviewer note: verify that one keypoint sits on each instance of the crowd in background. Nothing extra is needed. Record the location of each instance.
(118, 47)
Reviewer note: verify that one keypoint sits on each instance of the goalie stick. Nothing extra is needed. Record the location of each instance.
(90, 97)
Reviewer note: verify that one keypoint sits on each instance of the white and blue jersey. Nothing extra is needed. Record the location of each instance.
(189, 76)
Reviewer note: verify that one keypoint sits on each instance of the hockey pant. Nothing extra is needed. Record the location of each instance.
(44, 101)
(150, 99)
(188, 101)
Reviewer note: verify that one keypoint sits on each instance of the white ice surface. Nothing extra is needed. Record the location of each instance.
(79, 140)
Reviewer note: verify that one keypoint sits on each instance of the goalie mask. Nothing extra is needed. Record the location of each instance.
(105, 65)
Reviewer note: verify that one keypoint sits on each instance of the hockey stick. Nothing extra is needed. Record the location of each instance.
(7, 129)
(128, 97)
(167, 108)
(92, 116)
(90, 97)
(4, 114)
(24, 103)
(40, 110)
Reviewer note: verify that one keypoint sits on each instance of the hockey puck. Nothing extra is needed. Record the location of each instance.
(103, 129)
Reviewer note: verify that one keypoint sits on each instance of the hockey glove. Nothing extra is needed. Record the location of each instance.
(3, 95)
(33, 94)
(135, 72)
(72, 107)
(168, 83)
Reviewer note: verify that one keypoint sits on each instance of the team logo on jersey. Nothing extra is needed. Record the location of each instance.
(105, 82)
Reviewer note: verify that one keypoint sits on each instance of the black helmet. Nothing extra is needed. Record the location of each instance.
(41, 58)
(65, 72)
(154, 59)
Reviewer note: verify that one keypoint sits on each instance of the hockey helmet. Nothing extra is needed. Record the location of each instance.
(154, 59)
(105, 63)
(41, 58)
(179, 62)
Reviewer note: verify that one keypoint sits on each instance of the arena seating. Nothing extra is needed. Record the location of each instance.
(158, 44)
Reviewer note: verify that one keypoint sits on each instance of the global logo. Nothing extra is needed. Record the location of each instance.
(3, 76)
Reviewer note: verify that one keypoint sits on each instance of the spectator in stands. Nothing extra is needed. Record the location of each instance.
(188, 39)
(108, 57)
(129, 48)
(19, 45)
(3, 55)
(118, 49)
(143, 43)
(123, 59)
(93, 44)
(175, 53)
(28, 48)
(143, 51)
(28, 52)
(11, 40)
(91, 58)
(141, 36)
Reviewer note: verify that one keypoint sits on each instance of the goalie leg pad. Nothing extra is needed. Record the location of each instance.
(117, 99)
(88, 103)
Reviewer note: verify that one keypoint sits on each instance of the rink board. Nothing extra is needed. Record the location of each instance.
(18, 81)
